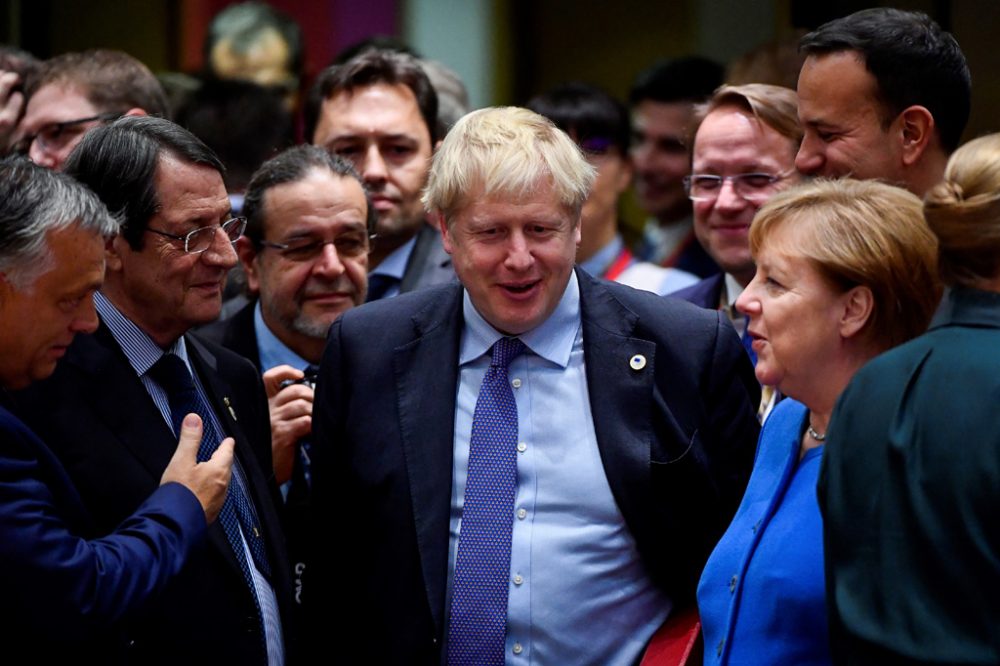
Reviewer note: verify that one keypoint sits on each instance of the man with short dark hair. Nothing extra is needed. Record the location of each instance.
(75, 92)
(379, 111)
(111, 410)
(883, 93)
(662, 102)
(67, 585)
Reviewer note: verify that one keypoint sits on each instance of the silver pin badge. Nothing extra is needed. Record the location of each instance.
(229, 406)
(637, 362)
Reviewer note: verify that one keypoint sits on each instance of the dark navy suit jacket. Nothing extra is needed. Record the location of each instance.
(114, 443)
(677, 440)
(64, 589)
(704, 294)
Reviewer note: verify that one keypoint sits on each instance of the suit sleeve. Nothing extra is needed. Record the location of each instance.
(54, 576)
(731, 397)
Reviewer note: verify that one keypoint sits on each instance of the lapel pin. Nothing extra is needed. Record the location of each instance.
(229, 406)
(637, 362)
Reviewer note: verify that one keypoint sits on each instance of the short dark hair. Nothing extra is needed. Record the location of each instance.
(586, 111)
(119, 162)
(688, 79)
(245, 23)
(110, 80)
(912, 59)
(367, 69)
(291, 166)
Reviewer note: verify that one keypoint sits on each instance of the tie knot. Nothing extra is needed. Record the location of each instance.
(172, 374)
(505, 350)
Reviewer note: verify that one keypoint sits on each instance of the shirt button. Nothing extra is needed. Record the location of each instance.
(516, 383)
(522, 514)
(521, 447)
(518, 649)
(732, 584)
(518, 579)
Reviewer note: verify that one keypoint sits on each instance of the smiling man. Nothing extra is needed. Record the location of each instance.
(379, 111)
(743, 154)
(111, 409)
(883, 94)
(518, 449)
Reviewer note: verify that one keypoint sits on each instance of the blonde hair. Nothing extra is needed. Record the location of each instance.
(505, 150)
(774, 106)
(964, 212)
(862, 233)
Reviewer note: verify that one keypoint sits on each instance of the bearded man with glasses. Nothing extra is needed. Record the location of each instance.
(112, 406)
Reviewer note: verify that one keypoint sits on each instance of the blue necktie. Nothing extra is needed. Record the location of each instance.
(747, 341)
(478, 624)
(172, 374)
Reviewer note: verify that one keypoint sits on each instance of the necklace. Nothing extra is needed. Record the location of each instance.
(819, 437)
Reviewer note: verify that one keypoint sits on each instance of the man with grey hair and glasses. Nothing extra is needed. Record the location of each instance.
(67, 583)
(534, 463)
(111, 410)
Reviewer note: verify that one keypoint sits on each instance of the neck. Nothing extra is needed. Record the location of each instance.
(927, 173)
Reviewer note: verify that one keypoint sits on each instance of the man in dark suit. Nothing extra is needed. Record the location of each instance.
(66, 584)
(379, 110)
(110, 410)
(609, 444)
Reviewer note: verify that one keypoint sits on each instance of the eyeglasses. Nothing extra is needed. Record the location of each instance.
(753, 187)
(306, 248)
(201, 239)
(55, 135)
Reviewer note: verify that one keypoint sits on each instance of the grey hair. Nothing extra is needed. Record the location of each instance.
(33, 202)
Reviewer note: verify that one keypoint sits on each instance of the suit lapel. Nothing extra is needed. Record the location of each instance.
(426, 372)
(620, 379)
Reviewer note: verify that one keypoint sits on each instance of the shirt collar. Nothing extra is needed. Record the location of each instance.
(733, 290)
(601, 261)
(552, 339)
(139, 348)
(394, 265)
(273, 352)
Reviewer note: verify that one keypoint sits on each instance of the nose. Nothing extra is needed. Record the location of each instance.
(373, 168)
(220, 252)
(85, 319)
(809, 159)
(728, 198)
(40, 156)
(328, 263)
(748, 303)
(519, 256)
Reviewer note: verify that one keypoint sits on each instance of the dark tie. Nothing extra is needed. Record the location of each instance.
(478, 624)
(301, 481)
(378, 284)
(747, 341)
(173, 376)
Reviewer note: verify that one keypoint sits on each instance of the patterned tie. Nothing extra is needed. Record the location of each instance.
(172, 374)
(478, 625)
(301, 481)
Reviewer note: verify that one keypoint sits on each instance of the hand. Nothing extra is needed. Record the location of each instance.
(291, 417)
(11, 105)
(208, 480)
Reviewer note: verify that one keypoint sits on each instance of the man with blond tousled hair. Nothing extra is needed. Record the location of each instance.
(519, 448)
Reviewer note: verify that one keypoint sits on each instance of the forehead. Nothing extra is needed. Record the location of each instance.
(540, 204)
(836, 86)
(732, 136)
(662, 118)
(188, 192)
(54, 103)
(321, 200)
(372, 111)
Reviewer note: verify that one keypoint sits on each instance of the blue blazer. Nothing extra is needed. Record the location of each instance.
(114, 443)
(677, 442)
(63, 588)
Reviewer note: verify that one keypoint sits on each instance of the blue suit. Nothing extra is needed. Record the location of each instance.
(676, 438)
(64, 589)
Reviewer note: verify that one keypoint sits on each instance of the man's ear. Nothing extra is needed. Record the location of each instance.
(917, 126)
(438, 219)
(113, 247)
(247, 253)
(136, 111)
(858, 304)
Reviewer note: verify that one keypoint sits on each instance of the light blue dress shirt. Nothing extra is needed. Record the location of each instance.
(142, 353)
(579, 593)
(273, 352)
(394, 266)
